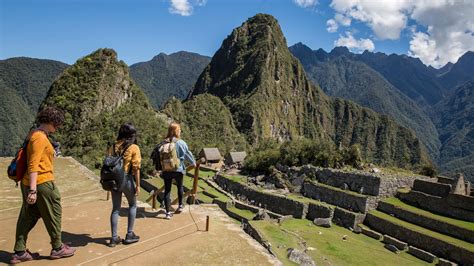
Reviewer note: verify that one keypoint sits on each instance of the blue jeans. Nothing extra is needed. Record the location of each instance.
(129, 192)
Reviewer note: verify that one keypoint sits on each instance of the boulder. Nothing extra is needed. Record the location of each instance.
(323, 222)
(300, 257)
(262, 215)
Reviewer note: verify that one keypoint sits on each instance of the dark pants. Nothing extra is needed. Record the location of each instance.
(48, 207)
(129, 192)
(168, 178)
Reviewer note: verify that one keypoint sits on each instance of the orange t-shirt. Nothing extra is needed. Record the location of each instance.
(39, 154)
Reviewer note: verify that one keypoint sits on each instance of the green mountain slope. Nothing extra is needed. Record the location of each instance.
(455, 120)
(24, 83)
(269, 96)
(98, 96)
(206, 122)
(409, 75)
(168, 75)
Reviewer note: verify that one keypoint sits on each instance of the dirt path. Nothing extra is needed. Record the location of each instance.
(164, 242)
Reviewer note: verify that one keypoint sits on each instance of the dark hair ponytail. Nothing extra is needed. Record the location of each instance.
(128, 134)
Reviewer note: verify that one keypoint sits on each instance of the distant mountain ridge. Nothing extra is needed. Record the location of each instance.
(347, 75)
(166, 76)
(341, 75)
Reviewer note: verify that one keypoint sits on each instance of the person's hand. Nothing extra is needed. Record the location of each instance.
(31, 198)
(137, 190)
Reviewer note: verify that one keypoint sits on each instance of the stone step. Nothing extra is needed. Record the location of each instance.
(440, 245)
(451, 206)
(345, 199)
(449, 226)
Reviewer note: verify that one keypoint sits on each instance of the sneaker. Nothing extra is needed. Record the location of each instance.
(64, 252)
(168, 216)
(180, 209)
(26, 256)
(131, 238)
(115, 241)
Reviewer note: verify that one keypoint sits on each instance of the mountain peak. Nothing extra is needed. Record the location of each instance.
(243, 55)
(340, 50)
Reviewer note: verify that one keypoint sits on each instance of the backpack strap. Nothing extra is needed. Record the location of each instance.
(126, 148)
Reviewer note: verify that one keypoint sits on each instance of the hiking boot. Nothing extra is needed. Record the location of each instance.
(115, 241)
(168, 216)
(131, 238)
(64, 252)
(180, 209)
(25, 256)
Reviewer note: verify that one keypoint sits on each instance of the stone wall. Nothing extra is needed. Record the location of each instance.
(373, 184)
(435, 225)
(360, 182)
(273, 202)
(319, 211)
(347, 218)
(432, 188)
(341, 198)
(461, 202)
(253, 232)
(437, 205)
(436, 246)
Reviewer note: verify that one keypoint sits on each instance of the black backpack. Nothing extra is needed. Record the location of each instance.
(112, 173)
(155, 156)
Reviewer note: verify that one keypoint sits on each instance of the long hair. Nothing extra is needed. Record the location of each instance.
(173, 131)
(128, 134)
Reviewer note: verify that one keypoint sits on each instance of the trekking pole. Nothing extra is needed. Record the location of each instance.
(207, 223)
(108, 195)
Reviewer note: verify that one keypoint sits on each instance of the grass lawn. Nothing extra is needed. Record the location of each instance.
(244, 213)
(328, 247)
(454, 241)
(402, 205)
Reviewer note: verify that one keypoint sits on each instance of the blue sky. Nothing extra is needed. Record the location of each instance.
(66, 30)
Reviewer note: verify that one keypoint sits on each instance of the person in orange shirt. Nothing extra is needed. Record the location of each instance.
(41, 198)
(126, 144)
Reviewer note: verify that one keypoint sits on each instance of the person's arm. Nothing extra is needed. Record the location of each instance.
(188, 156)
(136, 165)
(34, 151)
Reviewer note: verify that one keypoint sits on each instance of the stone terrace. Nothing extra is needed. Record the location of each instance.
(430, 219)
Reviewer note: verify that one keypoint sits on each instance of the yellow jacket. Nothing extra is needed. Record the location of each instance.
(131, 157)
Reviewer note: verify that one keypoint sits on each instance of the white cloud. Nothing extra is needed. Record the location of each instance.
(306, 3)
(332, 25)
(339, 19)
(343, 20)
(447, 30)
(355, 45)
(184, 7)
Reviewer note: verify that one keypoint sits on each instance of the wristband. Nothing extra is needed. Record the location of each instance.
(31, 191)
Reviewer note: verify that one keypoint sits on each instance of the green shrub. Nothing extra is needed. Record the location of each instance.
(429, 170)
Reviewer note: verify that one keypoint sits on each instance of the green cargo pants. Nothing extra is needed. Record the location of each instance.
(48, 207)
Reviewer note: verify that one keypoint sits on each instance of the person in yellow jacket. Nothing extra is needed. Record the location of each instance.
(127, 144)
(41, 198)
